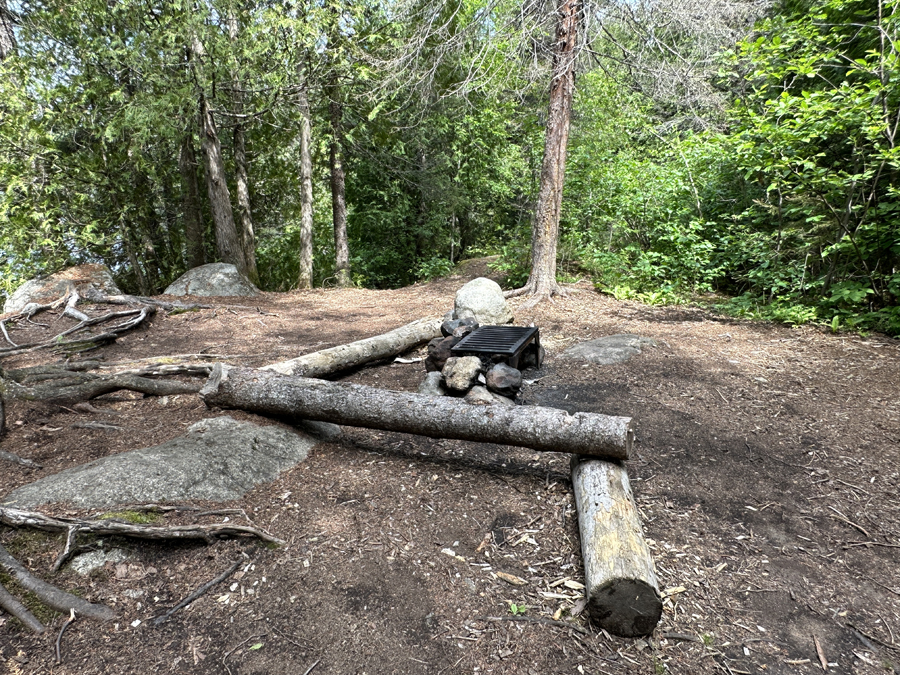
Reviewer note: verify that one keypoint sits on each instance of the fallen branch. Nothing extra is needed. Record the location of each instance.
(196, 594)
(49, 594)
(267, 393)
(61, 631)
(361, 352)
(208, 533)
(70, 387)
(12, 606)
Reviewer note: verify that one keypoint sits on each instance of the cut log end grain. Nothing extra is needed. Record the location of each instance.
(621, 587)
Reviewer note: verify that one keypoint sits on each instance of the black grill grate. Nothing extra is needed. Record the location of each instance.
(508, 341)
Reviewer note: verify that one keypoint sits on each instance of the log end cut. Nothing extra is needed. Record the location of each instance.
(625, 607)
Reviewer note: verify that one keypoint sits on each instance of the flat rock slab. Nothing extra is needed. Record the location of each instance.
(218, 459)
(609, 350)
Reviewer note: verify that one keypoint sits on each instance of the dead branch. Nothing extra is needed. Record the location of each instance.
(93, 294)
(11, 605)
(71, 387)
(533, 619)
(49, 594)
(208, 533)
(61, 631)
(196, 594)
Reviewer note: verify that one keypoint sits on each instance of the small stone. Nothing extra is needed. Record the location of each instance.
(439, 352)
(449, 326)
(502, 400)
(504, 380)
(479, 395)
(432, 385)
(460, 373)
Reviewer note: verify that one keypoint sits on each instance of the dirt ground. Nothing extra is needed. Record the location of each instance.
(765, 468)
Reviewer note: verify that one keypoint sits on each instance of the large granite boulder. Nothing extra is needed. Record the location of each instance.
(609, 350)
(46, 290)
(218, 459)
(210, 280)
(482, 299)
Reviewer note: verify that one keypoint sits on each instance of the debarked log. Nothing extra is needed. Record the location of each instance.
(359, 353)
(621, 587)
(268, 393)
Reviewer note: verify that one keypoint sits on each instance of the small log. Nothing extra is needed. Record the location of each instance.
(533, 427)
(621, 588)
(361, 352)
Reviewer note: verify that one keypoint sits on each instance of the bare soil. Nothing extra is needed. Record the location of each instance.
(766, 470)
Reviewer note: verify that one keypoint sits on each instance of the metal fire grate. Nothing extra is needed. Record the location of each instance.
(508, 341)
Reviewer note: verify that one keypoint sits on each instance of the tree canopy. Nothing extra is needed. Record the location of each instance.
(742, 153)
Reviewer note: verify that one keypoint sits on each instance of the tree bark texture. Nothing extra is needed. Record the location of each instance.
(360, 352)
(227, 243)
(538, 428)
(190, 200)
(49, 594)
(621, 588)
(545, 226)
(305, 278)
(338, 201)
(7, 36)
(248, 236)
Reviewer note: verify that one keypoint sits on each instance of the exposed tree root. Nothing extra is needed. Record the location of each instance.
(15, 459)
(12, 606)
(208, 533)
(539, 293)
(70, 387)
(49, 594)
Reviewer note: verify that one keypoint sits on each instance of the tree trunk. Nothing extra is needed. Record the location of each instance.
(545, 227)
(621, 588)
(227, 243)
(190, 199)
(7, 36)
(271, 394)
(361, 352)
(338, 203)
(248, 237)
(304, 280)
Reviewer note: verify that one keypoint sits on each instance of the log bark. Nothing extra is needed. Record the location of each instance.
(361, 352)
(49, 594)
(621, 588)
(10, 604)
(434, 416)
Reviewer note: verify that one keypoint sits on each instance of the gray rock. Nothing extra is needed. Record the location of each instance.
(502, 400)
(609, 350)
(86, 563)
(532, 358)
(450, 326)
(210, 280)
(44, 291)
(439, 352)
(482, 299)
(323, 431)
(461, 372)
(432, 385)
(479, 395)
(504, 380)
(218, 459)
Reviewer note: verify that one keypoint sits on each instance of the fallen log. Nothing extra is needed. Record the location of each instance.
(268, 393)
(621, 588)
(361, 352)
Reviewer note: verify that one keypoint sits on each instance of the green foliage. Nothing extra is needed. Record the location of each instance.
(134, 517)
(517, 609)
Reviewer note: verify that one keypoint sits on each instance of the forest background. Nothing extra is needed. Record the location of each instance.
(737, 153)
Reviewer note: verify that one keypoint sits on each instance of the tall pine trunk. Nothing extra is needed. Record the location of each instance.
(338, 202)
(227, 242)
(190, 202)
(304, 280)
(7, 37)
(247, 236)
(545, 227)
